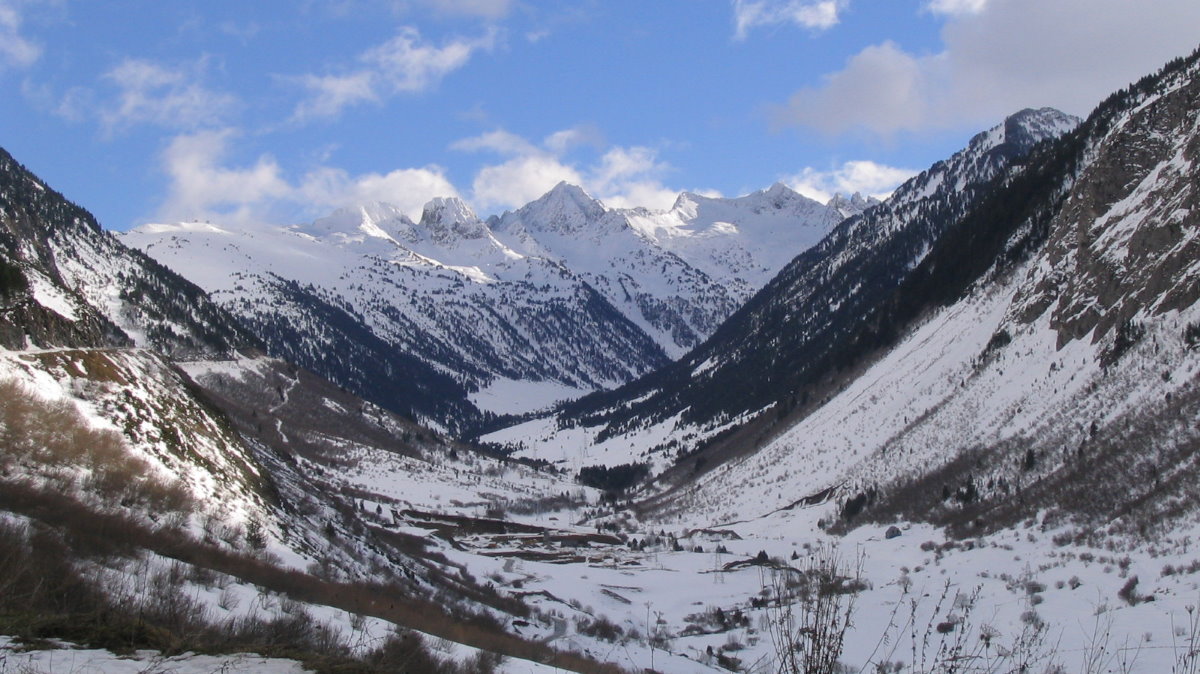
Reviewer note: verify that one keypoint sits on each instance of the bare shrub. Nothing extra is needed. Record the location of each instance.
(1129, 593)
(600, 627)
(809, 611)
(53, 434)
(1186, 641)
(947, 641)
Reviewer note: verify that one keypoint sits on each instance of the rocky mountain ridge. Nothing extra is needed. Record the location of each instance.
(545, 303)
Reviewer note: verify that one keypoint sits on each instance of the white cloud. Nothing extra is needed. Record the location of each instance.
(149, 93)
(997, 58)
(629, 177)
(330, 93)
(498, 141)
(519, 181)
(956, 6)
(882, 88)
(403, 64)
(409, 189)
(15, 50)
(810, 14)
(864, 177)
(622, 177)
(406, 64)
(202, 186)
(562, 141)
(486, 9)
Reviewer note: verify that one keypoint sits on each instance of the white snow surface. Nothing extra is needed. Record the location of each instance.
(516, 396)
(48, 295)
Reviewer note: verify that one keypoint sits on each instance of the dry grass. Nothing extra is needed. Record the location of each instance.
(52, 438)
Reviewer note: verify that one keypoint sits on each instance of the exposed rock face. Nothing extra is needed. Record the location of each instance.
(1126, 240)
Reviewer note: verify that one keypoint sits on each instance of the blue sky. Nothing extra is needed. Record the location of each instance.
(143, 110)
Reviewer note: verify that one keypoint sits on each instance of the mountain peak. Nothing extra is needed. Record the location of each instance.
(566, 208)
(851, 205)
(1030, 126)
(779, 189)
(1022, 130)
(567, 193)
(449, 218)
(376, 219)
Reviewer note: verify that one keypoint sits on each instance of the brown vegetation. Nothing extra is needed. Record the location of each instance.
(116, 510)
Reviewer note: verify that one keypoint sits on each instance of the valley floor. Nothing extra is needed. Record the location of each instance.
(706, 599)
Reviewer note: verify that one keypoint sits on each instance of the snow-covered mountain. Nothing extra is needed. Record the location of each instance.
(1041, 357)
(70, 283)
(151, 457)
(780, 346)
(1014, 330)
(466, 318)
(736, 241)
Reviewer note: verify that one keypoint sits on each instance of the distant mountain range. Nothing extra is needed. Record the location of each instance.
(461, 319)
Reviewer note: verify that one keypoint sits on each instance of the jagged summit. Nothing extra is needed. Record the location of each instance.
(852, 205)
(449, 218)
(566, 209)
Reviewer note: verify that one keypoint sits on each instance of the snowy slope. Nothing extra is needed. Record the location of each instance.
(78, 286)
(1065, 377)
(779, 346)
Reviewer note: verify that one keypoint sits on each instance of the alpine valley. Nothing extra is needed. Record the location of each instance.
(957, 430)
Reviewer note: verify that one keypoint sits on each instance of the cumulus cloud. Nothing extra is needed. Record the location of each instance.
(810, 14)
(623, 177)
(864, 177)
(519, 181)
(629, 177)
(409, 189)
(997, 58)
(404, 64)
(151, 93)
(203, 186)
